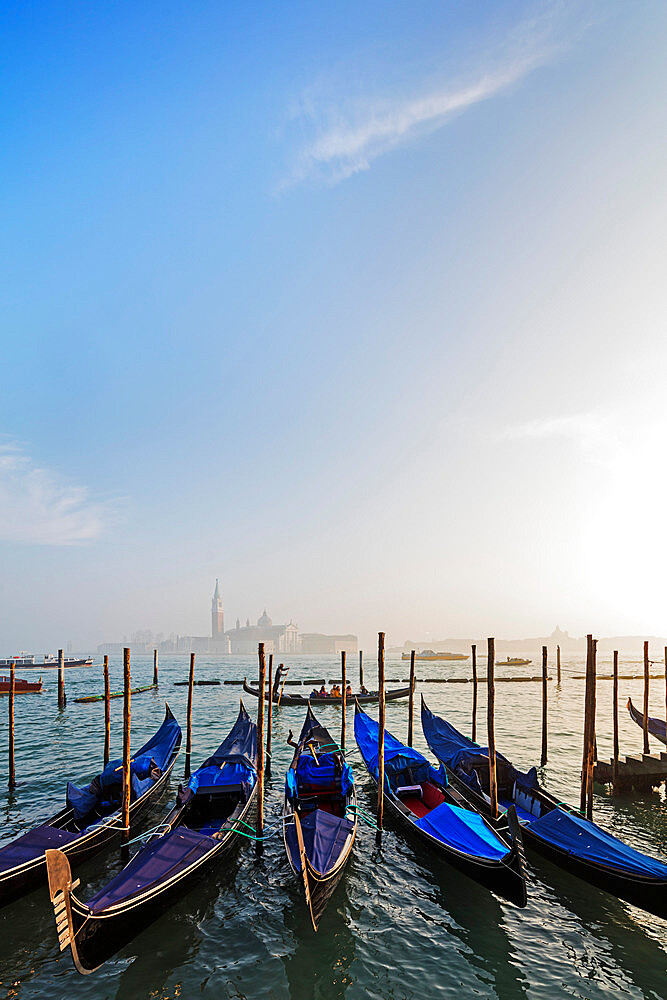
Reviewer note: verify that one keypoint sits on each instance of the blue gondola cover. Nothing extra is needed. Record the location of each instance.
(463, 830)
(583, 839)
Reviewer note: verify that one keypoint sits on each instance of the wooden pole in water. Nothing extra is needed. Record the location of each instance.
(474, 693)
(647, 748)
(260, 747)
(544, 706)
(411, 702)
(361, 667)
(61, 680)
(592, 748)
(125, 831)
(587, 714)
(107, 711)
(615, 709)
(343, 698)
(558, 664)
(155, 667)
(491, 726)
(12, 690)
(188, 735)
(269, 717)
(381, 705)
(665, 683)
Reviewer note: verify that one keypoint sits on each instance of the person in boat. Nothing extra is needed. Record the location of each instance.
(363, 689)
(323, 693)
(277, 679)
(314, 693)
(335, 691)
(348, 690)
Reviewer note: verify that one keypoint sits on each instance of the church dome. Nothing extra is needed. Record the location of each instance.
(264, 621)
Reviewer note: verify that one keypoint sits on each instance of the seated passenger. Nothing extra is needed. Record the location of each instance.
(314, 693)
(323, 692)
(335, 691)
(348, 690)
(363, 689)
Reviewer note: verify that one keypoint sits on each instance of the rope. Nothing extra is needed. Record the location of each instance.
(364, 816)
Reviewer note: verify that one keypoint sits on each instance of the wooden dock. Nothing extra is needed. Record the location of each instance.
(637, 771)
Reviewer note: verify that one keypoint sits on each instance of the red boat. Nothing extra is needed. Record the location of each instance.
(20, 686)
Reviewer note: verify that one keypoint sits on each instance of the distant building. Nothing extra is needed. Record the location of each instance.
(217, 614)
(316, 642)
(243, 639)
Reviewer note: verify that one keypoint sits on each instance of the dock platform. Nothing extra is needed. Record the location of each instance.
(641, 772)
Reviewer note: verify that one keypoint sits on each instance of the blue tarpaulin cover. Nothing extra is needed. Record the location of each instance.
(324, 837)
(240, 744)
(32, 844)
(155, 753)
(217, 776)
(582, 838)
(158, 861)
(454, 749)
(463, 830)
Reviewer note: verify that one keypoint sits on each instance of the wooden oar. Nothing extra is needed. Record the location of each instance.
(284, 678)
(304, 866)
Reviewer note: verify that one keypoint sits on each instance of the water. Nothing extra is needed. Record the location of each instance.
(402, 924)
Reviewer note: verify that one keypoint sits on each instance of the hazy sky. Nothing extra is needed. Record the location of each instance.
(359, 307)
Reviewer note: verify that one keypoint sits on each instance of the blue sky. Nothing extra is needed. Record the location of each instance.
(357, 307)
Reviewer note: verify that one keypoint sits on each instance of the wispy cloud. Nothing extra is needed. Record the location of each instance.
(595, 434)
(348, 133)
(38, 507)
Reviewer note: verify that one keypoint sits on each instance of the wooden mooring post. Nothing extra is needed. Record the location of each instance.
(491, 724)
(361, 668)
(127, 716)
(586, 799)
(107, 711)
(647, 748)
(545, 697)
(381, 727)
(343, 698)
(269, 718)
(474, 693)
(155, 667)
(260, 747)
(12, 691)
(665, 683)
(62, 701)
(411, 698)
(557, 664)
(188, 722)
(615, 710)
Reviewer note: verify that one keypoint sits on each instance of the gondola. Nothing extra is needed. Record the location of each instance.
(656, 727)
(90, 819)
(114, 694)
(201, 829)
(299, 699)
(319, 815)
(553, 828)
(420, 798)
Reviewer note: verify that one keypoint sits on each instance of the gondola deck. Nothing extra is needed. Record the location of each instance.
(89, 822)
(319, 815)
(201, 828)
(551, 827)
(420, 799)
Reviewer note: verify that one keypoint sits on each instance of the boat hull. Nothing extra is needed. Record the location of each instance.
(298, 699)
(96, 938)
(17, 881)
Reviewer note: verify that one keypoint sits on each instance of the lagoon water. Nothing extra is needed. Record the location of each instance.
(402, 924)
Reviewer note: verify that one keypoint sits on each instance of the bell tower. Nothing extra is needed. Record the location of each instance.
(217, 614)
